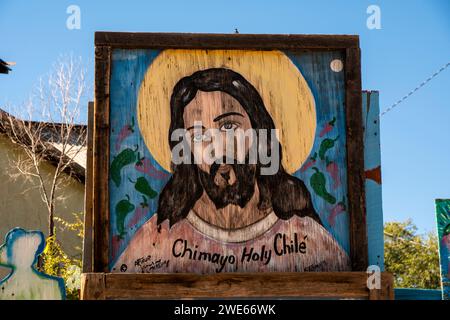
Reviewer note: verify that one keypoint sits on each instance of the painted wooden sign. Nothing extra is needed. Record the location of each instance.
(169, 193)
(443, 227)
(20, 252)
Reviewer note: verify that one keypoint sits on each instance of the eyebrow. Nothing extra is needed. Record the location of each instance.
(228, 114)
(195, 127)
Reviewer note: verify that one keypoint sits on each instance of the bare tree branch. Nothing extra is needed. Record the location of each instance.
(46, 127)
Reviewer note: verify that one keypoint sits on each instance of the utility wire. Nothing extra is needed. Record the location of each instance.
(416, 89)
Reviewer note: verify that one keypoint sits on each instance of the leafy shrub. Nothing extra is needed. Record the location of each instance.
(412, 258)
(54, 261)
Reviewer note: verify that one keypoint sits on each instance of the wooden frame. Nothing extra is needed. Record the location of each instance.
(100, 163)
(305, 285)
(97, 199)
(106, 41)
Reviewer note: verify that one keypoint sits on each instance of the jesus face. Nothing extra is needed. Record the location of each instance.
(224, 183)
(227, 195)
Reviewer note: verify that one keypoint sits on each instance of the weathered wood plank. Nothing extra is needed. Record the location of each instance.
(341, 285)
(88, 214)
(224, 41)
(372, 167)
(92, 286)
(355, 161)
(101, 158)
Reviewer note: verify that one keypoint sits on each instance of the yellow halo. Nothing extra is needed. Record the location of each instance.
(286, 95)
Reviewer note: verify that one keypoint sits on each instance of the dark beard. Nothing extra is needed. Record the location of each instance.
(239, 193)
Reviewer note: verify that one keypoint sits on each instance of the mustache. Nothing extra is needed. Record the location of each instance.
(239, 193)
(216, 165)
(228, 161)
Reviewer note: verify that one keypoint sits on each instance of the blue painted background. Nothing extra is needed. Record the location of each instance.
(328, 89)
(127, 71)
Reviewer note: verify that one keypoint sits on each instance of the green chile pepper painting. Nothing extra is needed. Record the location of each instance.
(142, 186)
(123, 208)
(124, 158)
(326, 145)
(318, 183)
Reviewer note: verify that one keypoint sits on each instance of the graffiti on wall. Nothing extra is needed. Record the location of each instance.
(183, 200)
(19, 253)
(443, 226)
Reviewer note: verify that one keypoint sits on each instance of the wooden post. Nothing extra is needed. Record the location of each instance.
(100, 194)
(355, 161)
(92, 286)
(373, 183)
(88, 216)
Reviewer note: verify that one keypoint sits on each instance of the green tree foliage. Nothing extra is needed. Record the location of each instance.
(412, 258)
(56, 262)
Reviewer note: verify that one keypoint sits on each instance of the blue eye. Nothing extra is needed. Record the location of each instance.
(227, 126)
(198, 137)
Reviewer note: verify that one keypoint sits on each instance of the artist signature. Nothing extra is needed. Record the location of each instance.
(321, 266)
(147, 264)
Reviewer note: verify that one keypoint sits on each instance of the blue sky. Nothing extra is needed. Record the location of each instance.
(414, 42)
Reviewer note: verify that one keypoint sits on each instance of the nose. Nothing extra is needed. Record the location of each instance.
(226, 176)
